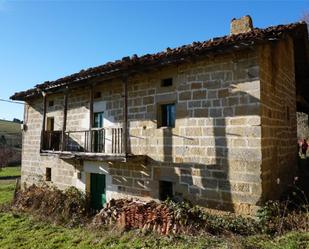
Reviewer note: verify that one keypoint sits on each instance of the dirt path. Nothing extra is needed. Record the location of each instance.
(8, 181)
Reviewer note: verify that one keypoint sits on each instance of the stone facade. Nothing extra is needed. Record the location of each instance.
(278, 118)
(302, 125)
(219, 155)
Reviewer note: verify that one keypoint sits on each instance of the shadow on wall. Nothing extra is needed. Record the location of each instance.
(209, 184)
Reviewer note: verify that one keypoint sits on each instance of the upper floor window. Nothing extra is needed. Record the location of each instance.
(98, 119)
(167, 115)
(50, 103)
(97, 95)
(167, 82)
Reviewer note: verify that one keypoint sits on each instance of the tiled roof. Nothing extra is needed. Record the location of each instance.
(169, 56)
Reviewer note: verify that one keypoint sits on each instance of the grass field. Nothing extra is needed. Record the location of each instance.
(25, 232)
(10, 172)
(9, 127)
(7, 186)
(6, 193)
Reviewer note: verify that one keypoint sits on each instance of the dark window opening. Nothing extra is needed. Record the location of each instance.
(48, 174)
(51, 103)
(167, 115)
(97, 95)
(167, 82)
(287, 113)
(165, 190)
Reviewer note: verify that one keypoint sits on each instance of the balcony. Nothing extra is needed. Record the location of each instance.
(95, 143)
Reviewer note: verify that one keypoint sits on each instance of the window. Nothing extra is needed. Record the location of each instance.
(167, 82)
(98, 119)
(165, 190)
(98, 135)
(97, 95)
(167, 115)
(48, 174)
(51, 103)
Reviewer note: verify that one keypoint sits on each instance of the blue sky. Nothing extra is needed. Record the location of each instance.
(45, 40)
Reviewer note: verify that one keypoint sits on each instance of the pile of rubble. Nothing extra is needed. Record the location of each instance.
(150, 216)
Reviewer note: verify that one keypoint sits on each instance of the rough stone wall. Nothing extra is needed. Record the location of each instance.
(302, 125)
(212, 156)
(278, 110)
(33, 164)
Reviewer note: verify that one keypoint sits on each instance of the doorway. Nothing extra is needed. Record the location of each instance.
(165, 190)
(97, 191)
(50, 124)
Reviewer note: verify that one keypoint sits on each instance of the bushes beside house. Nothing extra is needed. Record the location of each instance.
(71, 208)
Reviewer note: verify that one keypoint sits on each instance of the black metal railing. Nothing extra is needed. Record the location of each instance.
(51, 140)
(96, 140)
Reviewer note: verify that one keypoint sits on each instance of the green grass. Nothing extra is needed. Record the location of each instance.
(10, 171)
(7, 187)
(23, 232)
(6, 193)
(292, 240)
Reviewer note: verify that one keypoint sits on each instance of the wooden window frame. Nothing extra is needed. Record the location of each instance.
(160, 115)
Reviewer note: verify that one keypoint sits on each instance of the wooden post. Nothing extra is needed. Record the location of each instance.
(91, 117)
(64, 124)
(44, 119)
(125, 117)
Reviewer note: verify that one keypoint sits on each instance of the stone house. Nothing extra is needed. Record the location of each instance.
(213, 122)
(10, 142)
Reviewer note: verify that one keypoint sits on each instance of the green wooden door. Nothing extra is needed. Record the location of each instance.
(97, 188)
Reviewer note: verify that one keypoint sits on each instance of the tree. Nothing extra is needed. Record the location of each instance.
(305, 17)
(5, 154)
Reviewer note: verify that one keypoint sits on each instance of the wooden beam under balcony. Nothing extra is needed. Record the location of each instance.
(102, 157)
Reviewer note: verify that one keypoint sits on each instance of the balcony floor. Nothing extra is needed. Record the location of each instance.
(85, 155)
(103, 157)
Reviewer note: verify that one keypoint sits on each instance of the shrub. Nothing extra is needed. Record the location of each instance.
(197, 217)
(51, 203)
(276, 218)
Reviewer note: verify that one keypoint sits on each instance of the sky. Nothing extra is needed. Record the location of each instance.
(46, 40)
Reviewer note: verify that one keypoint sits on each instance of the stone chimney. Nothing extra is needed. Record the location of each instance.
(241, 25)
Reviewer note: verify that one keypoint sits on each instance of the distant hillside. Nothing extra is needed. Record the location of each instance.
(9, 127)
